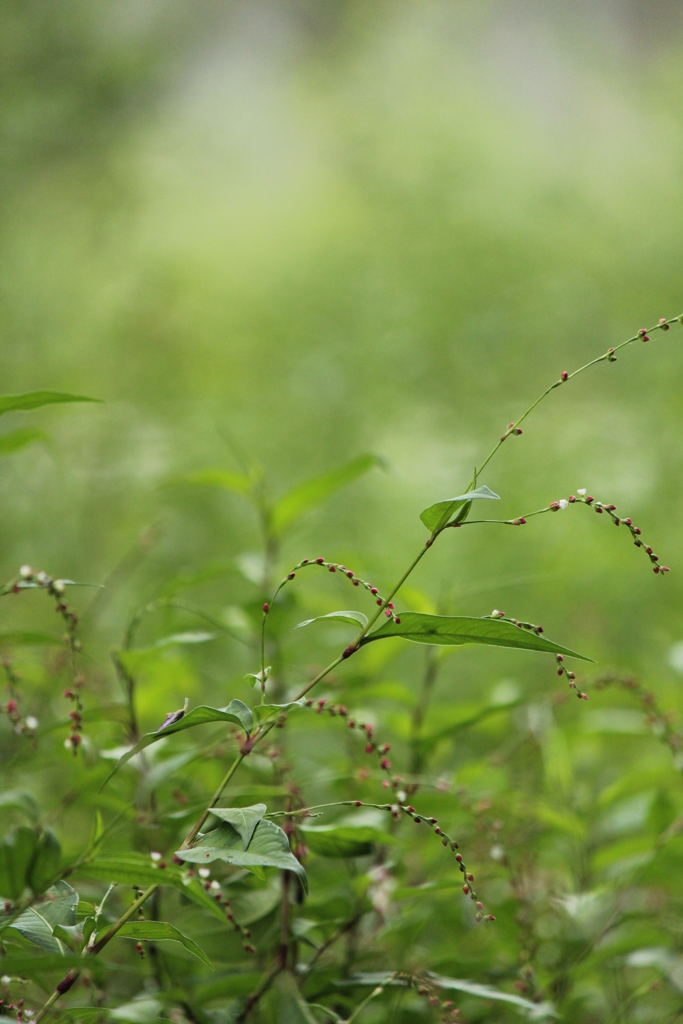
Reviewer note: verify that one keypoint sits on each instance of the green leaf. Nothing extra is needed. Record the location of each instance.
(535, 1011)
(225, 479)
(57, 908)
(193, 637)
(159, 931)
(47, 857)
(134, 869)
(236, 712)
(255, 904)
(29, 638)
(17, 439)
(20, 801)
(437, 516)
(262, 712)
(244, 819)
(16, 854)
(456, 630)
(316, 490)
(343, 841)
(269, 848)
(35, 399)
(355, 618)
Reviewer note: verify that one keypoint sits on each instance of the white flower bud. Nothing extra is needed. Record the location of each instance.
(581, 491)
(204, 872)
(155, 855)
(31, 723)
(563, 503)
(26, 572)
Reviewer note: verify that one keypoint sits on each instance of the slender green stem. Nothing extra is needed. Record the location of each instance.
(373, 995)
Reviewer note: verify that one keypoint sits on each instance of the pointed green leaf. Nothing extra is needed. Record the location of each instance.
(342, 841)
(196, 636)
(254, 904)
(262, 712)
(436, 516)
(456, 630)
(29, 638)
(18, 439)
(16, 854)
(38, 923)
(269, 848)
(355, 618)
(236, 712)
(225, 479)
(45, 863)
(135, 869)
(35, 399)
(244, 819)
(316, 490)
(160, 931)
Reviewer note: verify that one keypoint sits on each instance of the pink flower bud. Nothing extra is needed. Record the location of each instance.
(386, 748)
(320, 561)
(358, 803)
(331, 568)
(11, 706)
(458, 857)
(379, 600)
(397, 620)
(465, 889)
(385, 784)
(629, 522)
(590, 499)
(522, 521)
(265, 608)
(572, 498)
(386, 764)
(373, 590)
(642, 332)
(470, 878)
(636, 530)
(565, 375)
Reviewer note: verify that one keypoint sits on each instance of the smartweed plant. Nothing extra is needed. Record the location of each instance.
(166, 858)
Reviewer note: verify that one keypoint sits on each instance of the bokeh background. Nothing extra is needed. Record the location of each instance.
(287, 233)
(313, 230)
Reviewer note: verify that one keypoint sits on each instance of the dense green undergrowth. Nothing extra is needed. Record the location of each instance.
(348, 833)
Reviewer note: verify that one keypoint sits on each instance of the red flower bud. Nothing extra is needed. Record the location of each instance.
(373, 590)
(470, 878)
(386, 764)
(291, 576)
(522, 521)
(320, 561)
(265, 608)
(11, 706)
(565, 375)
(590, 499)
(331, 568)
(379, 600)
(465, 889)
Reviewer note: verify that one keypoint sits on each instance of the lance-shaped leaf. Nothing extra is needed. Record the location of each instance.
(18, 439)
(269, 848)
(16, 855)
(262, 712)
(244, 819)
(457, 630)
(38, 923)
(436, 516)
(355, 618)
(343, 840)
(29, 638)
(225, 479)
(34, 399)
(160, 931)
(135, 869)
(236, 712)
(312, 492)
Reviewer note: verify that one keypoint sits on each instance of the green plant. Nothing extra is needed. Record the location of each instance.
(246, 862)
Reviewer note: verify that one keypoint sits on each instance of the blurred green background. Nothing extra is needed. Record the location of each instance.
(320, 229)
(292, 232)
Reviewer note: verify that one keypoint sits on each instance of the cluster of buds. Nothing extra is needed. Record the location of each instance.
(28, 725)
(610, 510)
(213, 887)
(28, 577)
(529, 626)
(356, 581)
(18, 1008)
(73, 694)
(425, 988)
(511, 429)
(372, 746)
(398, 809)
(659, 721)
(562, 670)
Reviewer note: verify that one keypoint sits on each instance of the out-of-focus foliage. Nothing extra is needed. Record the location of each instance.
(272, 237)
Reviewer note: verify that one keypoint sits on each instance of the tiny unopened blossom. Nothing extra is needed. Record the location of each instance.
(563, 503)
(32, 723)
(581, 491)
(155, 855)
(204, 872)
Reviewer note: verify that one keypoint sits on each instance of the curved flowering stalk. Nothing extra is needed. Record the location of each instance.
(396, 810)
(580, 498)
(331, 567)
